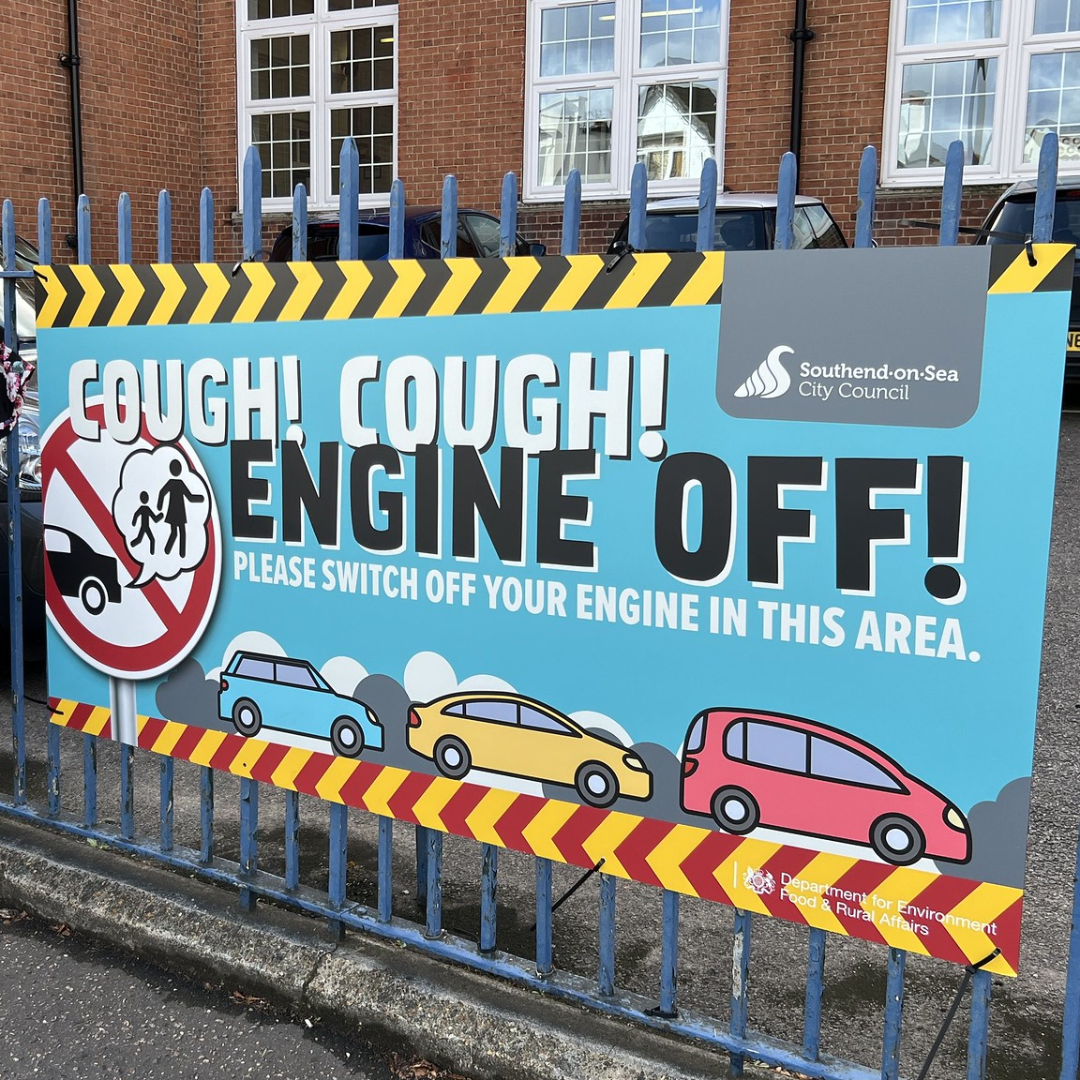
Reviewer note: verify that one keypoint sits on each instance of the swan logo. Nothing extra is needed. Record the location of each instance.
(770, 379)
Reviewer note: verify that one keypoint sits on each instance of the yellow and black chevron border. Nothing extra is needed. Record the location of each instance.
(932, 914)
(177, 294)
(172, 294)
(1037, 268)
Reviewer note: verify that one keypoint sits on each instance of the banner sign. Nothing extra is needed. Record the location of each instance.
(726, 571)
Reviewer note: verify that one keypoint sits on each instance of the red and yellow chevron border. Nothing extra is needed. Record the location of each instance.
(934, 914)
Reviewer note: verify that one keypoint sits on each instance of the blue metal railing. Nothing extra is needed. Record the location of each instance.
(601, 993)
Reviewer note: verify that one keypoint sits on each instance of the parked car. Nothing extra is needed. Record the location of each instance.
(744, 222)
(291, 695)
(1011, 220)
(748, 769)
(507, 733)
(33, 549)
(477, 237)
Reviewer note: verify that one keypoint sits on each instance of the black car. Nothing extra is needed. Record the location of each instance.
(81, 572)
(477, 237)
(1011, 220)
(744, 222)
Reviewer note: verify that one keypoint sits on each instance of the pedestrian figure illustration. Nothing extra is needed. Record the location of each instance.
(174, 496)
(142, 517)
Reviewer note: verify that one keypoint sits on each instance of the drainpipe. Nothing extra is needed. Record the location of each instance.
(70, 60)
(798, 37)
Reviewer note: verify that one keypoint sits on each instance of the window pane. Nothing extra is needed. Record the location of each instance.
(284, 144)
(1054, 105)
(830, 761)
(533, 718)
(256, 669)
(486, 230)
(676, 128)
(575, 133)
(1057, 16)
(295, 675)
(372, 129)
(503, 712)
(775, 746)
(577, 40)
(279, 9)
(942, 102)
(931, 22)
(362, 60)
(734, 739)
(827, 233)
(679, 32)
(280, 67)
(358, 5)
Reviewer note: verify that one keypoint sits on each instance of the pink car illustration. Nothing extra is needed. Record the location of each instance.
(746, 769)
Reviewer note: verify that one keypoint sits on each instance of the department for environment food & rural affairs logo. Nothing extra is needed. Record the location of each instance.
(759, 881)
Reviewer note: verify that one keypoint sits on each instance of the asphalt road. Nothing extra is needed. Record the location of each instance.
(73, 1010)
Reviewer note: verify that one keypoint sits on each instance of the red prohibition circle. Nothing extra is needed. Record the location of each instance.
(183, 626)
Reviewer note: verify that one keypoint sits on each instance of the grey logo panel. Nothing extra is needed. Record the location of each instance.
(854, 337)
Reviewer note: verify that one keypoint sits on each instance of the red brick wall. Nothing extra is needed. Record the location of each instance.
(140, 115)
(35, 135)
(461, 92)
(217, 99)
(159, 110)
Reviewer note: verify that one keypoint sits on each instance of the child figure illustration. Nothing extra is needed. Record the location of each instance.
(142, 517)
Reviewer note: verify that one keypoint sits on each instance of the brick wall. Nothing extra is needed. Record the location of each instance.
(140, 115)
(159, 110)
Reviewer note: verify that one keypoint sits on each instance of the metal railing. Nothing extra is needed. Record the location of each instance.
(661, 1010)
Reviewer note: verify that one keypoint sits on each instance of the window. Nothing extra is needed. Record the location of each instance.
(254, 668)
(296, 675)
(614, 82)
(776, 747)
(831, 761)
(538, 721)
(311, 74)
(997, 74)
(502, 712)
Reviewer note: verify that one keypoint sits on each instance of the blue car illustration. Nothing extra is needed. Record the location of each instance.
(290, 695)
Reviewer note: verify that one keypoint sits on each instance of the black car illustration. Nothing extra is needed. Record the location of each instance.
(80, 571)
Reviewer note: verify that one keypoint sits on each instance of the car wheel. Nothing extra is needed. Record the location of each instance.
(93, 596)
(452, 757)
(596, 784)
(246, 717)
(897, 840)
(735, 810)
(346, 737)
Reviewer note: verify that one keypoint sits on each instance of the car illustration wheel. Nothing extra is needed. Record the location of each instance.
(93, 595)
(452, 757)
(596, 784)
(246, 717)
(897, 840)
(346, 737)
(735, 810)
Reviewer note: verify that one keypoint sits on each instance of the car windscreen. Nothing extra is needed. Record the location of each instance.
(373, 242)
(1016, 219)
(736, 230)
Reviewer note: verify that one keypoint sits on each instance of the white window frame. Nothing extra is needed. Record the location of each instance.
(1012, 50)
(319, 101)
(625, 82)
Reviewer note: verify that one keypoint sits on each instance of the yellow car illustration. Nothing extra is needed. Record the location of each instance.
(507, 733)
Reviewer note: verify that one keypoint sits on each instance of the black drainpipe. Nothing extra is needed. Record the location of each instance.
(70, 60)
(798, 37)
